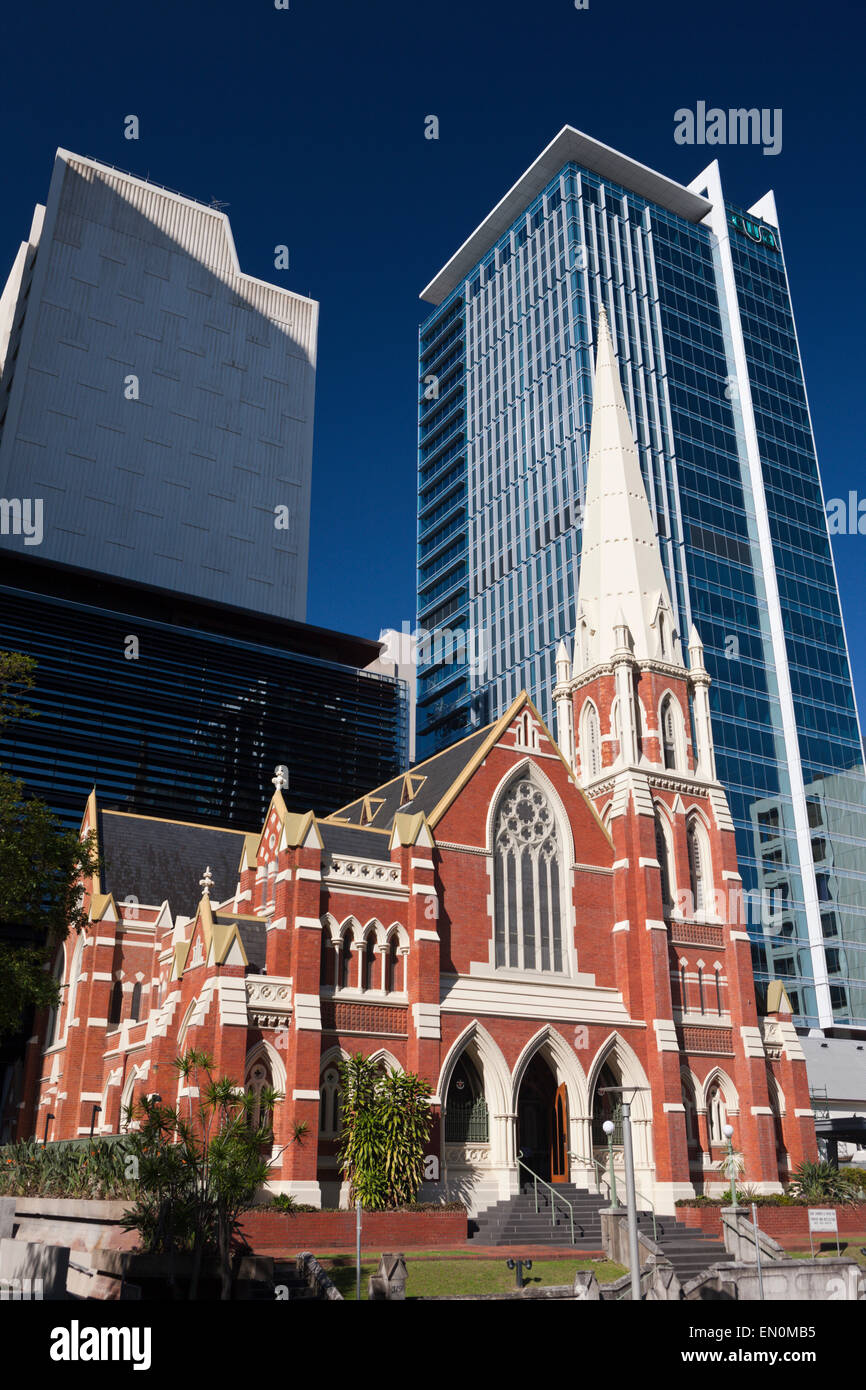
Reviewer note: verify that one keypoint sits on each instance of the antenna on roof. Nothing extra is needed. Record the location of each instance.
(219, 204)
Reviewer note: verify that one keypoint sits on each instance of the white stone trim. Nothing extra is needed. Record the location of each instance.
(426, 1020)
(753, 1043)
(308, 1013)
(652, 924)
(427, 936)
(625, 925)
(674, 1108)
(666, 1035)
(314, 923)
(305, 1095)
(312, 875)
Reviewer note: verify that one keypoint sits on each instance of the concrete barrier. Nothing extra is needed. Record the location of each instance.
(784, 1281)
(29, 1271)
(743, 1239)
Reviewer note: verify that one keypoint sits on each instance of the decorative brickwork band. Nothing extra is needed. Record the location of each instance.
(339, 1017)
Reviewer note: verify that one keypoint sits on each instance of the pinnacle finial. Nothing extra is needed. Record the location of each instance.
(280, 778)
(206, 883)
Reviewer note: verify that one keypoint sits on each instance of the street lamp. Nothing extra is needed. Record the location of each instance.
(728, 1131)
(626, 1093)
(609, 1128)
(48, 1119)
(97, 1110)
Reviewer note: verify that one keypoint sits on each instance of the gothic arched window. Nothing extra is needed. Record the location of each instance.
(669, 733)
(698, 866)
(663, 856)
(528, 931)
(346, 959)
(370, 981)
(135, 1009)
(258, 1079)
(394, 976)
(590, 742)
(329, 1103)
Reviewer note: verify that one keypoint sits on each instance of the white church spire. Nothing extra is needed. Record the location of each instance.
(621, 573)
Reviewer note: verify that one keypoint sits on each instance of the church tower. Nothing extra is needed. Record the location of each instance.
(634, 722)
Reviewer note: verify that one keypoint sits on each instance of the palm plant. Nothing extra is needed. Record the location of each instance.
(821, 1182)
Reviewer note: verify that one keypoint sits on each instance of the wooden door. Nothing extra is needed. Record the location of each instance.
(559, 1138)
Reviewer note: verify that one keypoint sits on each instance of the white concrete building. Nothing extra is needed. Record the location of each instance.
(158, 401)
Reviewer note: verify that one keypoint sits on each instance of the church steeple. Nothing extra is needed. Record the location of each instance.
(621, 572)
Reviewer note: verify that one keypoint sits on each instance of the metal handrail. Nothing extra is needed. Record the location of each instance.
(552, 1190)
(601, 1169)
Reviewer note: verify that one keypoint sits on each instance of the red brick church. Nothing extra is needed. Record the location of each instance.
(522, 920)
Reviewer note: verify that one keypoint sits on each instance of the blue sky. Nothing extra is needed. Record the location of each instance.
(309, 123)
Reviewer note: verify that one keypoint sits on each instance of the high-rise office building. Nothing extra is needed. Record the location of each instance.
(156, 404)
(697, 296)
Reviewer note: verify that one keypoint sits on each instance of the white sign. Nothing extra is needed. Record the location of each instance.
(822, 1219)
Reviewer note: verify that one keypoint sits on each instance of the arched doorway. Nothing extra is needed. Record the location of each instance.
(542, 1122)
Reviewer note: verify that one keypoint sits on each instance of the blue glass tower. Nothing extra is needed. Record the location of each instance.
(697, 296)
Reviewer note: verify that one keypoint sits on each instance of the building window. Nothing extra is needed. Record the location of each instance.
(717, 1114)
(697, 867)
(329, 1104)
(528, 882)
(466, 1117)
(115, 1007)
(394, 978)
(590, 742)
(346, 959)
(135, 1008)
(370, 961)
(669, 733)
(663, 856)
(259, 1081)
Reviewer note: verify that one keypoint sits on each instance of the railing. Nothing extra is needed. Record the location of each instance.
(553, 1193)
(602, 1174)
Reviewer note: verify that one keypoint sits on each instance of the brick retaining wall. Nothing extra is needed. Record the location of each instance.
(269, 1232)
(788, 1225)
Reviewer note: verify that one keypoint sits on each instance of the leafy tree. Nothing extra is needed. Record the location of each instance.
(386, 1121)
(41, 868)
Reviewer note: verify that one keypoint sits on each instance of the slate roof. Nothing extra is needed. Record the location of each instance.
(157, 859)
(439, 773)
(354, 841)
(253, 934)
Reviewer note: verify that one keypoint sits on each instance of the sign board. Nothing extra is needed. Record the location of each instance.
(756, 231)
(822, 1219)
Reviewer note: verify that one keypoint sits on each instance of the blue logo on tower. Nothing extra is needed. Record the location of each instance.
(756, 231)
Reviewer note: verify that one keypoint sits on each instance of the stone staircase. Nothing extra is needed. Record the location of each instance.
(514, 1221)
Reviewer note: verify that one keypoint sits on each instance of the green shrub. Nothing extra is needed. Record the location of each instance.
(821, 1182)
(386, 1123)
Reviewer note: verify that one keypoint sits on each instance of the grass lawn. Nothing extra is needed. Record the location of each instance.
(432, 1273)
(851, 1249)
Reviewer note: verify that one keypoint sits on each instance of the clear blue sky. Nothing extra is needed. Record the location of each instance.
(310, 124)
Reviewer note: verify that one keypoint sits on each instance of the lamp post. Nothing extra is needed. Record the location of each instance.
(728, 1131)
(626, 1093)
(609, 1128)
(97, 1110)
(48, 1119)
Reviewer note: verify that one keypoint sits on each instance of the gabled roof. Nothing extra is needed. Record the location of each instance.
(444, 775)
(152, 859)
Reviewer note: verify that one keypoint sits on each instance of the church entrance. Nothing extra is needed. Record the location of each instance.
(542, 1123)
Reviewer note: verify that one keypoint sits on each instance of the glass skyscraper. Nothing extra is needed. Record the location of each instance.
(697, 296)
